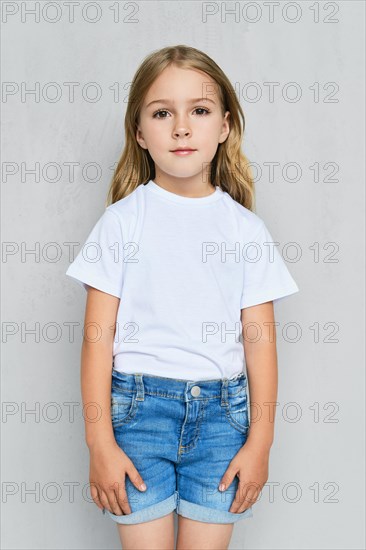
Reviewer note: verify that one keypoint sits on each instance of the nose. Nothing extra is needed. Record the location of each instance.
(181, 127)
(181, 131)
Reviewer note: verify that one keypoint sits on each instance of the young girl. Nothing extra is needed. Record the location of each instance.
(181, 276)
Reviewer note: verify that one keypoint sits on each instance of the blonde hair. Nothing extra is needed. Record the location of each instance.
(229, 169)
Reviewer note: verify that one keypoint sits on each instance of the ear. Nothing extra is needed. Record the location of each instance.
(225, 128)
(140, 139)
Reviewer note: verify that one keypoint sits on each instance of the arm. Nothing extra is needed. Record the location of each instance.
(108, 463)
(251, 463)
(259, 339)
(96, 366)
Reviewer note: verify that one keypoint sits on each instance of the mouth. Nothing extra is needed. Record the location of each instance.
(183, 152)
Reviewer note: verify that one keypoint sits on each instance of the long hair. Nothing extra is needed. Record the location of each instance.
(229, 169)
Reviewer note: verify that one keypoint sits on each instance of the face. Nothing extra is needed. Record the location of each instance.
(182, 110)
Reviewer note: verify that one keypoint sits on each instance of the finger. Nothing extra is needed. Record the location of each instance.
(122, 498)
(237, 502)
(104, 501)
(95, 495)
(252, 496)
(241, 504)
(245, 505)
(240, 498)
(244, 499)
(228, 477)
(97, 502)
(135, 478)
(115, 507)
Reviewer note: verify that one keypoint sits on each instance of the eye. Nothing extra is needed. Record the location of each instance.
(205, 112)
(202, 109)
(158, 113)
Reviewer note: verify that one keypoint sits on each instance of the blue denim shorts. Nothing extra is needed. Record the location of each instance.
(181, 436)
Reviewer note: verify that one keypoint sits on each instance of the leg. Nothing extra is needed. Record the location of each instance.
(196, 535)
(157, 534)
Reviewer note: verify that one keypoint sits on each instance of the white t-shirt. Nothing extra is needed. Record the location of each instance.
(183, 269)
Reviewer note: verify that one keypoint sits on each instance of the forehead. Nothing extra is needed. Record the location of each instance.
(180, 85)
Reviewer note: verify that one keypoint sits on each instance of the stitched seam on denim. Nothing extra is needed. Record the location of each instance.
(197, 427)
(234, 423)
(160, 394)
(243, 403)
(130, 416)
(203, 406)
(237, 426)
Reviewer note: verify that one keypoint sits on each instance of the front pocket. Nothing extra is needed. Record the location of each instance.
(123, 407)
(237, 410)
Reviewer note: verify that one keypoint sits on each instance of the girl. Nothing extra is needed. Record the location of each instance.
(181, 276)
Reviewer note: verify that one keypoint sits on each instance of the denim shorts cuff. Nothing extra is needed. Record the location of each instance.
(154, 511)
(209, 515)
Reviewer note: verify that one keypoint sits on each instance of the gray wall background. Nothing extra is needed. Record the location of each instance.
(314, 497)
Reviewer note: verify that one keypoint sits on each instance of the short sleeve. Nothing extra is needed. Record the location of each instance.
(266, 277)
(99, 263)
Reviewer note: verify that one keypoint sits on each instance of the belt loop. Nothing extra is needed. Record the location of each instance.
(140, 390)
(187, 390)
(224, 392)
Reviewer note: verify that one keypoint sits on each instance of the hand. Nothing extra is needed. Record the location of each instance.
(108, 468)
(250, 464)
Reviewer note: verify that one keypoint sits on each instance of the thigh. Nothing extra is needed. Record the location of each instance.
(157, 534)
(195, 535)
(219, 434)
(133, 422)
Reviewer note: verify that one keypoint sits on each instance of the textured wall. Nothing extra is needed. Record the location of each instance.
(299, 72)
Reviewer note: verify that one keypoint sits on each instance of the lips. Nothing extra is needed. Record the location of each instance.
(183, 152)
(183, 149)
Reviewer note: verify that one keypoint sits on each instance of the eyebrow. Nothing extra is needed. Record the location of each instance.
(190, 101)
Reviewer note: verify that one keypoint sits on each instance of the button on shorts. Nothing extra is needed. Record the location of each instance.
(181, 436)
